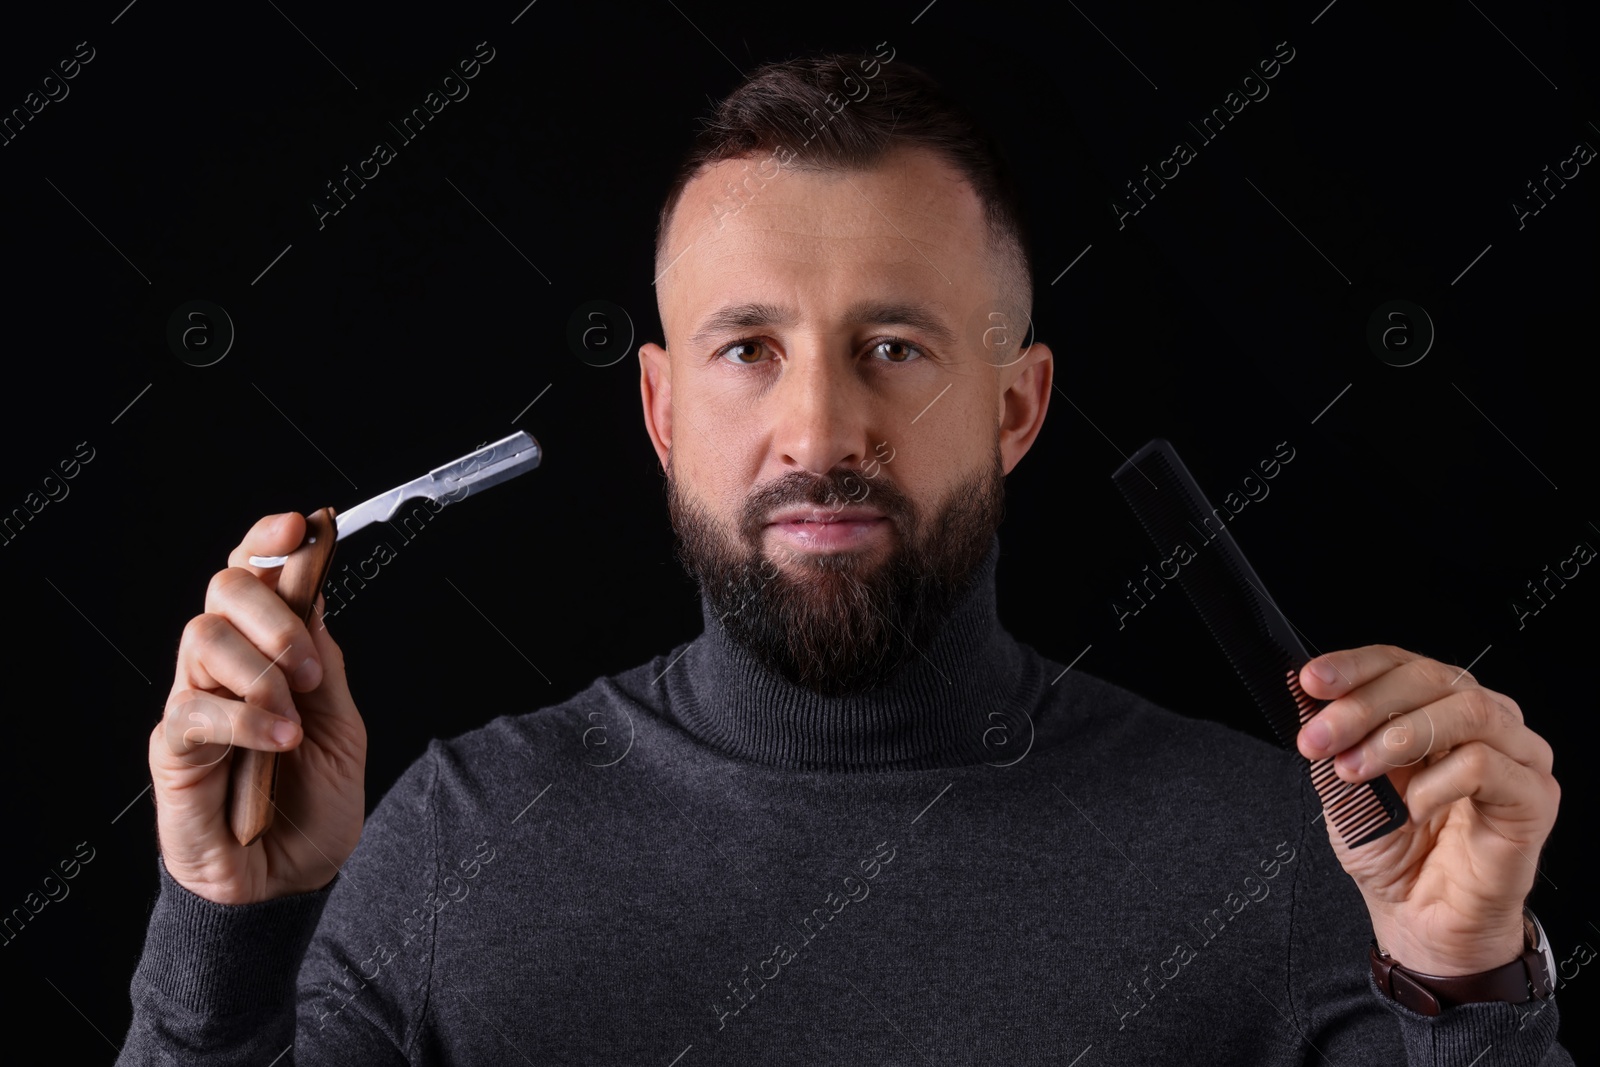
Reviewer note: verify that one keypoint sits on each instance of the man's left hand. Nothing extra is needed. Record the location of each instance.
(1445, 891)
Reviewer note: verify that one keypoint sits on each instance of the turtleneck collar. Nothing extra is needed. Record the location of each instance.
(966, 699)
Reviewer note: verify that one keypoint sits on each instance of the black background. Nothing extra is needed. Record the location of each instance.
(1227, 316)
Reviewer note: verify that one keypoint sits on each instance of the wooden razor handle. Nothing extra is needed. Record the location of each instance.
(255, 773)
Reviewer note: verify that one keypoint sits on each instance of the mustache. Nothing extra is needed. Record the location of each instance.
(837, 489)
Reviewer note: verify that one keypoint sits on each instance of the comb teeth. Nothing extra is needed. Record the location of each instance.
(1360, 813)
(1255, 636)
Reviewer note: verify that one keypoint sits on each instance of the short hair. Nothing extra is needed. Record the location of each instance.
(902, 107)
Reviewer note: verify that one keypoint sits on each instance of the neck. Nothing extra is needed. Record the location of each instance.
(937, 710)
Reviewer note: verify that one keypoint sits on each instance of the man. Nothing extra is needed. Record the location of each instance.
(854, 821)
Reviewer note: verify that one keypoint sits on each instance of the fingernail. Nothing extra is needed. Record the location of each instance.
(1323, 669)
(1350, 765)
(1318, 736)
(308, 674)
(283, 732)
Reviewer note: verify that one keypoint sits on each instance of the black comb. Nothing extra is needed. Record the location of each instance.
(1253, 633)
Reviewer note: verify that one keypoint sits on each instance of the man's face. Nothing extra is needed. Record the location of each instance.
(837, 407)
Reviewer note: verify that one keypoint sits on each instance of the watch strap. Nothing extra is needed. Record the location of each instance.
(1525, 978)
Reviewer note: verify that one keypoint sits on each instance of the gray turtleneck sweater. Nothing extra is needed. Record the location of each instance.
(992, 859)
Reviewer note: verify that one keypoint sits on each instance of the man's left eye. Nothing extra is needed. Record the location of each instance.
(897, 351)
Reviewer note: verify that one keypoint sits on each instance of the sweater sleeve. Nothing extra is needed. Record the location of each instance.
(296, 980)
(1339, 1010)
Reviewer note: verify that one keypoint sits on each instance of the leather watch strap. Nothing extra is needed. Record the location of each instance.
(1523, 979)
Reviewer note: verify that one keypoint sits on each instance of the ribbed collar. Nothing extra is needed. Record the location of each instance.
(967, 699)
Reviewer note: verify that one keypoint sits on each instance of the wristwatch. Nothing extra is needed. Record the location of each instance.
(1530, 976)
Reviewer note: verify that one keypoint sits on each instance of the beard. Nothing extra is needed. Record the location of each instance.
(839, 622)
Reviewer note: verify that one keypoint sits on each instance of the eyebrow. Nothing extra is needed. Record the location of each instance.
(734, 317)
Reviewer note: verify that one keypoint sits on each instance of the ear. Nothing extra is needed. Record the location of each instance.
(1024, 399)
(655, 391)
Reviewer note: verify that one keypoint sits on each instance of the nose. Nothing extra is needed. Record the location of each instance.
(820, 421)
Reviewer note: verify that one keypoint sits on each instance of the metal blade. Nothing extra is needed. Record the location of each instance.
(448, 484)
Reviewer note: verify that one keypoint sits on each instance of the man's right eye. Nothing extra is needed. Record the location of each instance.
(736, 352)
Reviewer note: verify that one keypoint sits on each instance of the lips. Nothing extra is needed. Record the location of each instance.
(823, 515)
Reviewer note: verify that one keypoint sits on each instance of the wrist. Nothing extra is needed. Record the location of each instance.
(1484, 949)
(1529, 975)
(222, 959)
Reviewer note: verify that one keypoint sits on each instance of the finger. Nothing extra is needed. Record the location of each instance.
(198, 729)
(329, 654)
(331, 700)
(1403, 686)
(273, 535)
(1465, 716)
(1518, 802)
(1333, 674)
(261, 615)
(213, 654)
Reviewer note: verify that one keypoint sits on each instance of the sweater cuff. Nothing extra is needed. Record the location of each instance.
(226, 959)
(1491, 1034)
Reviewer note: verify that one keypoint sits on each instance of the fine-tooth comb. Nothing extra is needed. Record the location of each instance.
(1253, 633)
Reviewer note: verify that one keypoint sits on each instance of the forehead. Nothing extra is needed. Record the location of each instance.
(909, 228)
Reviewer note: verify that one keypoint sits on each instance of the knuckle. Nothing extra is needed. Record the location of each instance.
(1359, 714)
(1476, 758)
(1481, 712)
(205, 629)
(268, 690)
(1546, 755)
(282, 639)
(1444, 675)
(1506, 718)
(194, 722)
(1401, 739)
(253, 537)
(227, 583)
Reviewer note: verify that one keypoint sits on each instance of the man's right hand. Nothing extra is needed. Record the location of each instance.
(237, 665)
